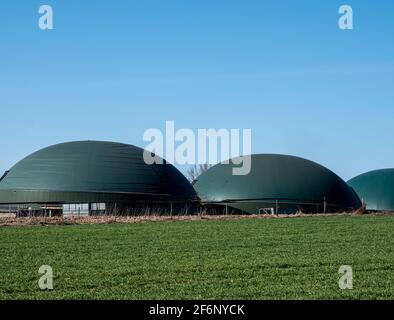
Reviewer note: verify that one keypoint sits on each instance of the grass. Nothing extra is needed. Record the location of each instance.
(239, 259)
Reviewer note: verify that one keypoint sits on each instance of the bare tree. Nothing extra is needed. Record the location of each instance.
(195, 171)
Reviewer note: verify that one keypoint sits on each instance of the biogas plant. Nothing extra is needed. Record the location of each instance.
(105, 178)
(94, 178)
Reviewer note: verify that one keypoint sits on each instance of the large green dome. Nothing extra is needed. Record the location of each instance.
(376, 189)
(91, 171)
(287, 181)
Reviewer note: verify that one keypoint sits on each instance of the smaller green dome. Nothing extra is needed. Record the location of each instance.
(376, 189)
(291, 182)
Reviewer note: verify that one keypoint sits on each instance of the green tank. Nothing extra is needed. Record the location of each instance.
(92, 171)
(376, 189)
(278, 182)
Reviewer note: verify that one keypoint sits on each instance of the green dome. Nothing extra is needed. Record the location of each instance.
(376, 189)
(91, 171)
(290, 182)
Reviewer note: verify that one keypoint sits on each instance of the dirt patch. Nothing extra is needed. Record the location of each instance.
(36, 221)
(41, 221)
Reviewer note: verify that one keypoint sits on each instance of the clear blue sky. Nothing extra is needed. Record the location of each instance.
(112, 69)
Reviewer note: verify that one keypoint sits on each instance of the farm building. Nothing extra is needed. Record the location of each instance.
(376, 189)
(276, 184)
(92, 177)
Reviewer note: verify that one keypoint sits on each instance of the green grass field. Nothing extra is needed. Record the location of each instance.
(239, 259)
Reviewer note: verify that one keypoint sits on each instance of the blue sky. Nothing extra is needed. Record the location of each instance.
(113, 69)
